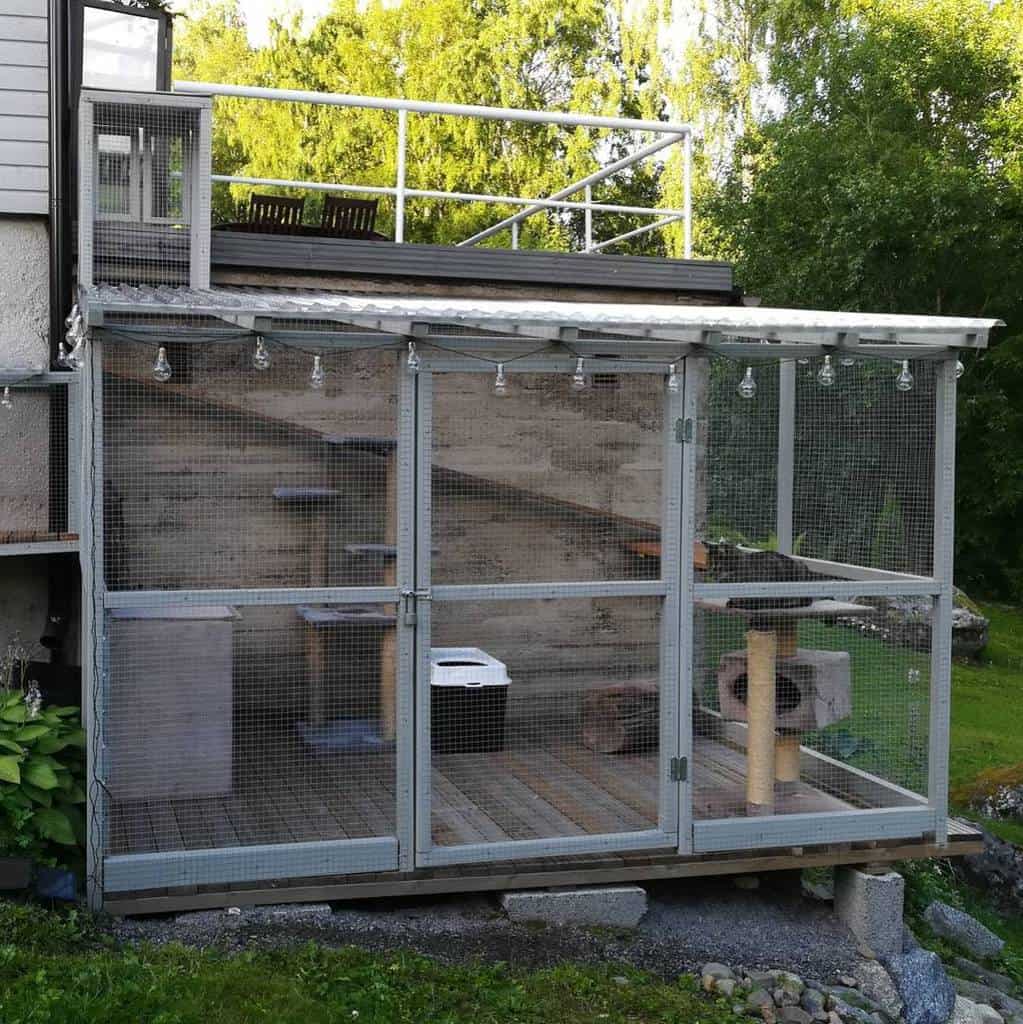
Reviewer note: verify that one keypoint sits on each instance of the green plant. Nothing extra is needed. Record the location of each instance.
(42, 775)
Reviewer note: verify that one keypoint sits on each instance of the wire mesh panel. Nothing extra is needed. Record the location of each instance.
(230, 476)
(544, 719)
(231, 727)
(546, 484)
(840, 724)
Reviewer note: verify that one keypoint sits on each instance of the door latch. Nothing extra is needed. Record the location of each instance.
(679, 769)
(409, 604)
(683, 431)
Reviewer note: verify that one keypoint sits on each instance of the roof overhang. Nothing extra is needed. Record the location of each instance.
(341, 320)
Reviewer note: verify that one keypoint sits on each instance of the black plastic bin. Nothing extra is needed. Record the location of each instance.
(468, 701)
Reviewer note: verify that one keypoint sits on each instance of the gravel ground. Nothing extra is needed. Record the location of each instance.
(687, 924)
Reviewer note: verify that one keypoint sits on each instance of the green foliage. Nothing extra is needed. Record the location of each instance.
(42, 778)
(55, 970)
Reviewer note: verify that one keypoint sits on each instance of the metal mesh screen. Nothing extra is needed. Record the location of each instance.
(851, 706)
(544, 718)
(142, 200)
(545, 484)
(228, 476)
(36, 488)
(229, 727)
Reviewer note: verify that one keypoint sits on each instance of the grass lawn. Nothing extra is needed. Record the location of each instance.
(54, 971)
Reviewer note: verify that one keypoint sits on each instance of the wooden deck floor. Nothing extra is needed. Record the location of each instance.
(524, 792)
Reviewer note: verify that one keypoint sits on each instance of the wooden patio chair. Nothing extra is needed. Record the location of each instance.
(275, 215)
(348, 218)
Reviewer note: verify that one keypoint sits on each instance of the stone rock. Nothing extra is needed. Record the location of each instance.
(299, 911)
(851, 1014)
(726, 987)
(621, 980)
(758, 998)
(762, 979)
(788, 988)
(870, 906)
(714, 972)
(999, 870)
(833, 1018)
(964, 1012)
(865, 952)
(609, 906)
(957, 926)
(767, 1012)
(847, 981)
(906, 621)
(812, 1000)
(838, 994)
(909, 940)
(1005, 1004)
(794, 1015)
(977, 973)
(876, 984)
(927, 995)
(989, 1015)
(969, 630)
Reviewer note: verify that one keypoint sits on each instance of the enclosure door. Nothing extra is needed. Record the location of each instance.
(547, 613)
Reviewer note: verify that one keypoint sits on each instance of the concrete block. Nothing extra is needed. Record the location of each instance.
(870, 906)
(617, 906)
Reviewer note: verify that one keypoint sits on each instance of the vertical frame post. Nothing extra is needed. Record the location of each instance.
(515, 234)
(405, 580)
(941, 633)
(86, 190)
(687, 198)
(75, 421)
(423, 519)
(200, 169)
(692, 454)
(786, 453)
(588, 219)
(399, 183)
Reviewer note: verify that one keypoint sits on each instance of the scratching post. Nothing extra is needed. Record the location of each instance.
(786, 762)
(762, 651)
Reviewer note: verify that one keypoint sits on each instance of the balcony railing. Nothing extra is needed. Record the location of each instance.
(667, 135)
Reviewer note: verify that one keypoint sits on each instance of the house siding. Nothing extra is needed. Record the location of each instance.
(24, 105)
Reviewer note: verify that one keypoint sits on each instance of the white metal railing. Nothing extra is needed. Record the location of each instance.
(669, 134)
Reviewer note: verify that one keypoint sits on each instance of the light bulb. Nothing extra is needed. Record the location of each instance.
(673, 383)
(261, 357)
(578, 378)
(960, 369)
(500, 382)
(413, 358)
(161, 368)
(904, 381)
(847, 361)
(62, 354)
(803, 361)
(317, 378)
(747, 386)
(6, 400)
(913, 676)
(826, 374)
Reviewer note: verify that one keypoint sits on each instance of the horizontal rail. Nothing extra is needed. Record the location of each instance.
(664, 222)
(335, 99)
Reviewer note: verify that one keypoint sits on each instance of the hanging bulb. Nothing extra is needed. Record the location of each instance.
(62, 354)
(673, 383)
(803, 361)
(261, 357)
(904, 381)
(826, 374)
(578, 378)
(500, 382)
(161, 368)
(413, 358)
(960, 369)
(747, 386)
(6, 400)
(317, 378)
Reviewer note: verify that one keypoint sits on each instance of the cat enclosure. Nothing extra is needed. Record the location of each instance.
(383, 585)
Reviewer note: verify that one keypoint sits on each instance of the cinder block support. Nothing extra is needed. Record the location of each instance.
(869, 904)
(619, 906)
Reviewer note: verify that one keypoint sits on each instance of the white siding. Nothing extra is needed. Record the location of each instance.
(23, 107)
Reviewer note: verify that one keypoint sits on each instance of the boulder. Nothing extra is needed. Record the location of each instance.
(812, 1000)
(876, 983)
(989, 1015)
(979, 993)
(964, 1012)
(999, 870)
(975, 972)
(927, 995)
(957, 926)
(757, 999)
(794, 1015)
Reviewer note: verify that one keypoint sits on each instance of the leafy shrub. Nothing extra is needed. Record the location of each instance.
(42, 776)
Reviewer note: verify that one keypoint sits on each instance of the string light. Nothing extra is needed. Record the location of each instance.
(960, 369)
(62, 354)
(317, 378)
(826, 375)
(6, 400)
(904, 381)
(261, 357)
(673, 383)
(747, 386)
(162, 368)
(579, 377)
(500, 382)
(75, 337)
(413, 358)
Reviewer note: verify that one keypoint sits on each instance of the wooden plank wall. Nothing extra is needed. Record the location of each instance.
(24, 103)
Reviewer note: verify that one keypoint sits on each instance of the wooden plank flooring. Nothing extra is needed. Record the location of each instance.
(525, 792)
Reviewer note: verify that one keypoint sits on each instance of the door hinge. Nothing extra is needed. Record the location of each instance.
(409, 605)
(679, 769)
(683, 431)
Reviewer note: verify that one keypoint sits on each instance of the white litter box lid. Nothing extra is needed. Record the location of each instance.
(467, 667)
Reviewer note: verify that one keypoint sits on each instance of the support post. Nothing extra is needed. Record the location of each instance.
(588, 219)
(761, 654)
(687, 199)
(399, 184)
(941, 631)
(786, 453)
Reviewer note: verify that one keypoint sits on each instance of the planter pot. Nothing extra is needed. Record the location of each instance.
(56, 884)
(15, 873)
